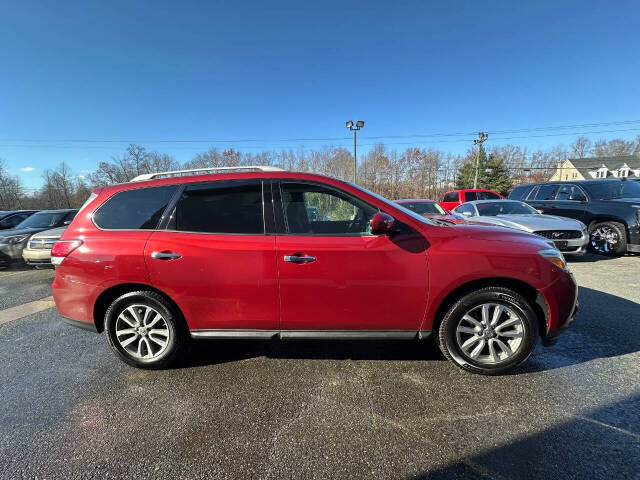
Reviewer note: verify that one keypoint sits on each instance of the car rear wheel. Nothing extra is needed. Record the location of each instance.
(489, 331)
(143, 329)
(608, 238)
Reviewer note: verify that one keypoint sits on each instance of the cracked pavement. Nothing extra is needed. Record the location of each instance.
(318, 409)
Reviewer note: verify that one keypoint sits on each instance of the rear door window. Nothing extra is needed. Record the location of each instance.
(470, 196)
(547, 192)
(138, 209)
(233, 207)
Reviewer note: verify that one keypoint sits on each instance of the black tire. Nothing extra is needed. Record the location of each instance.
(177, 335)
(446, 336)
(598, 245)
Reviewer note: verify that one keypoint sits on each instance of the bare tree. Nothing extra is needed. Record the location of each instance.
(581, 148)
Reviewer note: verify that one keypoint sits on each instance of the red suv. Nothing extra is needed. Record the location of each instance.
(455, 198)
(265, 253)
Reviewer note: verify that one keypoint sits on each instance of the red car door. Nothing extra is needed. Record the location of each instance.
(335, 275)
(215, 260)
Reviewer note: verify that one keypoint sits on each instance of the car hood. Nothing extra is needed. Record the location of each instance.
(20, 231)
(51, 233)
(531, 223)
(499, 234)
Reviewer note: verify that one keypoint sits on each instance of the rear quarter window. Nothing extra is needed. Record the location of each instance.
(139, 209)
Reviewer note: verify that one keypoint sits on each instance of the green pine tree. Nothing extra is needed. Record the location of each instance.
(494, 175)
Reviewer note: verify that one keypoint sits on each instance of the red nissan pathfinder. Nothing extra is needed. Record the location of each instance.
(260, 253)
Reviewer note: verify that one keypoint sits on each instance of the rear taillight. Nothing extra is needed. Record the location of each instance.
(62, 248)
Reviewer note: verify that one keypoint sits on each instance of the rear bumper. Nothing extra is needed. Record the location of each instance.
(74, 300)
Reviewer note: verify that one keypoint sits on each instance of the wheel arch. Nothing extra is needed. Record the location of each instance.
(530, 293)
(105, 299)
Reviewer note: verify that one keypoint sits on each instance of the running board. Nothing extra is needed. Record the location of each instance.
(314, 334)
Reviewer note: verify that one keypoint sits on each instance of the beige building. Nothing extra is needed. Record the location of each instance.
(598, 167)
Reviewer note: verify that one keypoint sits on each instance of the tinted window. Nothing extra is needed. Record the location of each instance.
(547, 192)
(138, 209)
(424, 208)
(519, 192)
(16, 219)
(570, 192)
(615, 189)
(315, 210)
(220, 207)
(470, 196)
(43, 220)
(451, 197)
(491, 209)
(487, 196)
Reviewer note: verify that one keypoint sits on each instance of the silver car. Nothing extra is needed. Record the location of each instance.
(570, 236)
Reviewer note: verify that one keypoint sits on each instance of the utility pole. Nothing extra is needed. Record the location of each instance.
(359, 125)
(482, 136)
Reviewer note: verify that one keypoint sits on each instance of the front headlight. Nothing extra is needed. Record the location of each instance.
(554, 256)
(12, 240)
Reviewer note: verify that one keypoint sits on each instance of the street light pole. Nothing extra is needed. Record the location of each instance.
(359, 125)
(479, 141)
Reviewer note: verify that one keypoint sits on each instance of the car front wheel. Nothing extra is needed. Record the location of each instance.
(608, 238)
(143, 329)
(489, 331)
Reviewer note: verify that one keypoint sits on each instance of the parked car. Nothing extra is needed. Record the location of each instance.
(428, 208)
(609, 207)
(570, 236)
(172, 256)
(38, 249)
(11, 218)
(454, 198)
(13, 241)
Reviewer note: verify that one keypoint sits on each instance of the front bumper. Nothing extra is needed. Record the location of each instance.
(561, 299)
(36, 256)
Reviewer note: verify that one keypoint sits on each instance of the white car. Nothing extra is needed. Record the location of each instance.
(570, 236)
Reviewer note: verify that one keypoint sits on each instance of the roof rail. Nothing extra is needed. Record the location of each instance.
(202, 171)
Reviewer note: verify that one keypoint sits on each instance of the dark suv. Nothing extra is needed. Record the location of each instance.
(609, 207)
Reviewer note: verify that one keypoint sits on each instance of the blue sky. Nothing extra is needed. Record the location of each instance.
(149, 71)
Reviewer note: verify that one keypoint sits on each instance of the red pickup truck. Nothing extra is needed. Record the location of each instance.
(454, 198)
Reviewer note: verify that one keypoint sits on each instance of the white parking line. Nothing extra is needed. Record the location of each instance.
(20, 311)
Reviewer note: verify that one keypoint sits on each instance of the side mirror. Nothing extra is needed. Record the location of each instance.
(539, 211)
(467, 214)
(68, 222)
(382, 224)
(577, 198)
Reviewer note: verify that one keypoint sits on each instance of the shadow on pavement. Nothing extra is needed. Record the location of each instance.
(606, 326)
(207, 352)
(605, 443)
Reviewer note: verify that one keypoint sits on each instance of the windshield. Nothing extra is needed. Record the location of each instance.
(424, 208)
(43, 220)
(491, 209)
(394, 205)
(622, 189)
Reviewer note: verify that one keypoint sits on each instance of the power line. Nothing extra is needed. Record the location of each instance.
(293, 147)
(327, 139)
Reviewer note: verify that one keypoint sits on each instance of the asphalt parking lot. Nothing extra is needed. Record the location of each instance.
(69, 409)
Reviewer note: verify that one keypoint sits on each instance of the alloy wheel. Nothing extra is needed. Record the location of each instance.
(490, 333)
(142, 332)
(604, 239)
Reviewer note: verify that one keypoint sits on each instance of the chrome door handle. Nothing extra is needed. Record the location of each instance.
(299, 258)
(165, 255)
